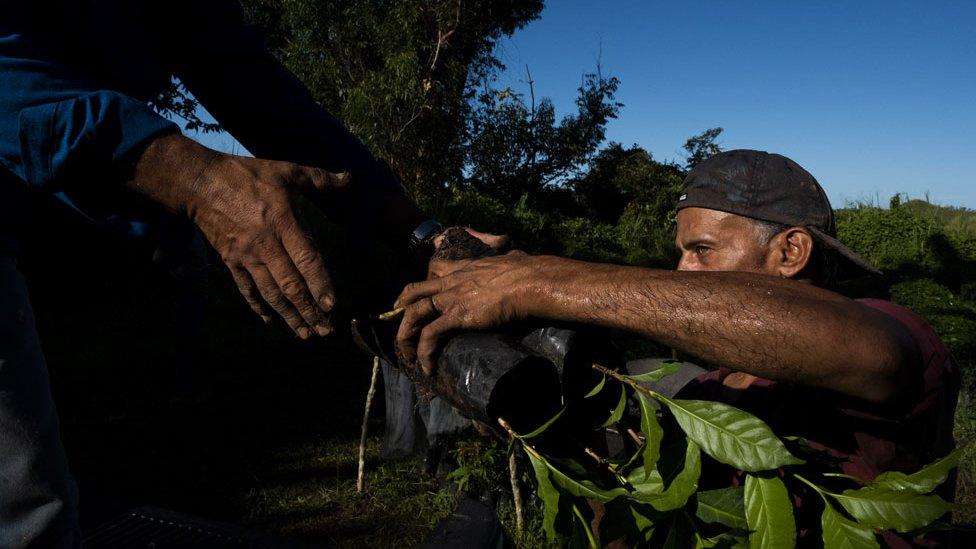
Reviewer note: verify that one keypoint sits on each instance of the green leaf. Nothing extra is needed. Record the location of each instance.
(730, 435)
(618, 411)
(673, 481)
(885, 509)
(547, 493)
(541, 429)
(596, 390)
(723, 506)
(628, 520)
(839, 532)
(584, 488)
(924, 480)
(769, 513)
(681, 535)
(721, 541)
(658, 374)
(585, 525)
(652, 434)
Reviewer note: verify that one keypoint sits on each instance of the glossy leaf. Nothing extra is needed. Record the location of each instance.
(723, 506)
(730, 435)
(885, 509)
(652, 434)
(658, 374)
(769, 513)
(618, 411)
(547, 493)
(839, 532)
(584, 488)
(542, 428)
(924, 480)
(672, 482)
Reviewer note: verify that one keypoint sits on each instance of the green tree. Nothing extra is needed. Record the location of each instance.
(702, 146)
(400, 74)
(515, 148)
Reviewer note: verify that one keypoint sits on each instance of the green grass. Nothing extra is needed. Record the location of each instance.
(398, 505)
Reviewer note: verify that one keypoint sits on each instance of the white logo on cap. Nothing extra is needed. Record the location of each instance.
(682, 197)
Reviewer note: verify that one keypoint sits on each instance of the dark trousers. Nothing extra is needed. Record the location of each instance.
(38, 498)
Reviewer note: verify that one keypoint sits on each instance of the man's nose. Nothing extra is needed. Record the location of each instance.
(688, 263)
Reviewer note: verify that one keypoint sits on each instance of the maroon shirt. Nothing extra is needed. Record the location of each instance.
(866, 439)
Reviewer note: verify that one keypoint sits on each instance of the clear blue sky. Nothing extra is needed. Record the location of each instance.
(874, 98)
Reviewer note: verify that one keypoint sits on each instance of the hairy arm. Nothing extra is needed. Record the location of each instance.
(770, 327)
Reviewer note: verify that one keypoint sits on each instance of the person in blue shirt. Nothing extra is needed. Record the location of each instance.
(75, 82)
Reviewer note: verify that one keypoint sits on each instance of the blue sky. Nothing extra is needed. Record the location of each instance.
(873, 98)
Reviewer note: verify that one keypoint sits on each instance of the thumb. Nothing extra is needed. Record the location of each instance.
(499, 242)
(318, 180)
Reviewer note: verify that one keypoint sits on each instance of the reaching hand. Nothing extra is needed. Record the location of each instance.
(244, 206)
(474, 294)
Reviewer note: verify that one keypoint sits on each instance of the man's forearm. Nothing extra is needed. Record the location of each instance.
(773, 328)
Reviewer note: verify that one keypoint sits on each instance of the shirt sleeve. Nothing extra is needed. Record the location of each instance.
(61, 134)
(270, 112)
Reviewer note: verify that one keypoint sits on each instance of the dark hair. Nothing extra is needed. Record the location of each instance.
(822, 266)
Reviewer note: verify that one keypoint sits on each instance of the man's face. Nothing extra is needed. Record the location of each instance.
(710, 240)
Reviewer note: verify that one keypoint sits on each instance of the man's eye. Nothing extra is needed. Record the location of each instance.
(701, 249)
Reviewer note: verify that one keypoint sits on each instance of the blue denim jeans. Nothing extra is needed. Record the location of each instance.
(38, 498)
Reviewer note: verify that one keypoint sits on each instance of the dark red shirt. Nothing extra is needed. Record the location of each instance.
(866, 439)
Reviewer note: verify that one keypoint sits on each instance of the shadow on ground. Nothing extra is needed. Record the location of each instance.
(245, 424)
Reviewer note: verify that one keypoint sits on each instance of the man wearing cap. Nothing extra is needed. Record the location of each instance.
(866, 380)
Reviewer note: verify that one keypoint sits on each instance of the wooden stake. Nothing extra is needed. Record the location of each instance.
(516, 494)
(362, 438)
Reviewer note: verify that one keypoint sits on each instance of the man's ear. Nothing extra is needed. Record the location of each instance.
(793, 249)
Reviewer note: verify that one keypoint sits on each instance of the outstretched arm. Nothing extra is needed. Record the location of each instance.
(769, 327)
(262, 104)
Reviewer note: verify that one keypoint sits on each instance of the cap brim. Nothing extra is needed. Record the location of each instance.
(846, 253)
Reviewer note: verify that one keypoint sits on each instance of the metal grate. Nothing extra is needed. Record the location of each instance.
(151, 528)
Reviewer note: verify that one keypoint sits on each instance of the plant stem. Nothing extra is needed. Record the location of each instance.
(633, 434)
(516, 494)
(823, 493)
(842, 475)
(626, 380)
(362, 438)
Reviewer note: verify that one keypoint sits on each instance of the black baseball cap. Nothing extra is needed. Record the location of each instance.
(767, 187)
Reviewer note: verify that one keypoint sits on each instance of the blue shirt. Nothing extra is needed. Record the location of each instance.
(76, 76)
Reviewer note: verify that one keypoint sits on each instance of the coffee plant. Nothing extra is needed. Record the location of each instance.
(651, 496)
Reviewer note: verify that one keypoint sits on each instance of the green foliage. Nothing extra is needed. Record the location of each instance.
(922, 481)
(701, 146)
(478, 465)
(724, 506)
(642, 494)
(839, 532)
(730, 435)
(401, 75)
(902, 510)
(769, 513)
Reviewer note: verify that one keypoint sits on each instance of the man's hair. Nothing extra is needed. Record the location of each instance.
(822, 266)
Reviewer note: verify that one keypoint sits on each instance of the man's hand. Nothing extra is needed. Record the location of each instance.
(244, 206)
(473, 294)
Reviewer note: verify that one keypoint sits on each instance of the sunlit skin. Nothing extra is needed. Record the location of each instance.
(734, 301)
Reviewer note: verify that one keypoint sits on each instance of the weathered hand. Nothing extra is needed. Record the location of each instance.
(472, 295)
(244, 206)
